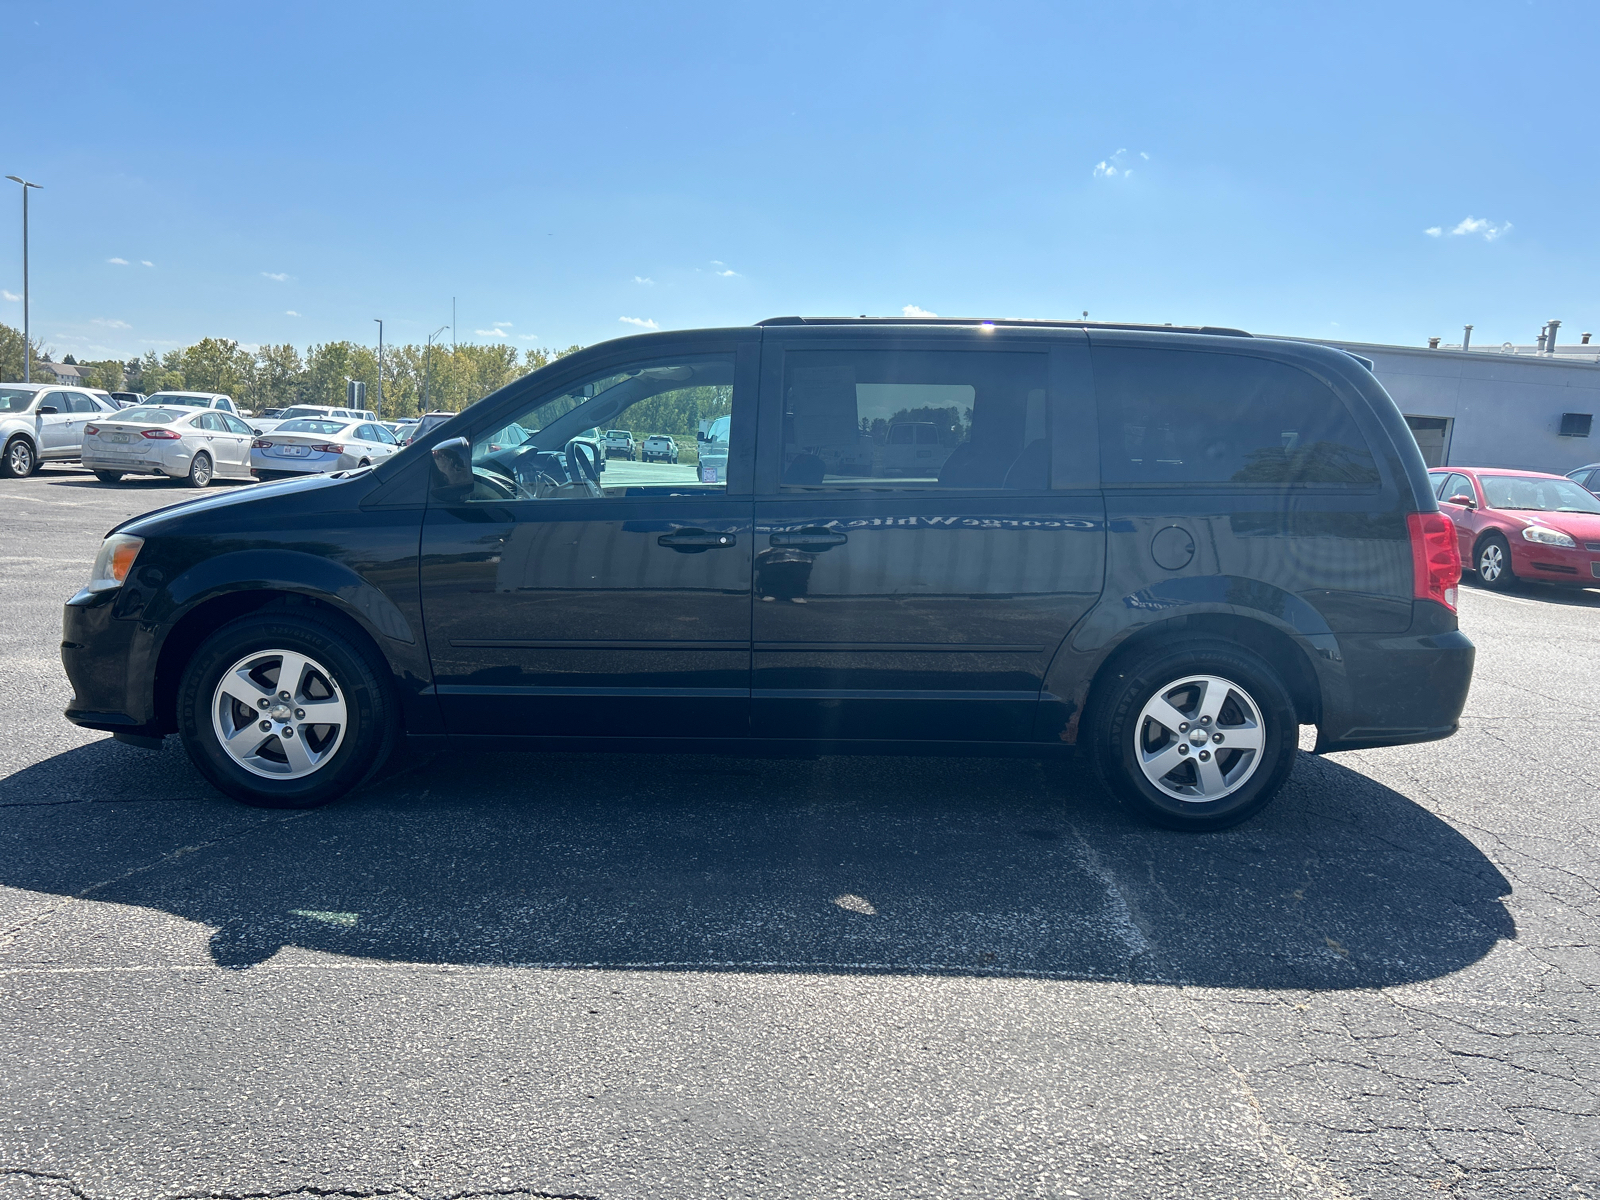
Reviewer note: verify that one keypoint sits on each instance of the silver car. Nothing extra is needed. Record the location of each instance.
(194, 445)
(40, 422)
(314, 445)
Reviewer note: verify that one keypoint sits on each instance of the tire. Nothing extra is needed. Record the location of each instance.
(1243, 698)
(1492, 561)
(20, 459)
(240, 666)
(108, 476)
(201, 471)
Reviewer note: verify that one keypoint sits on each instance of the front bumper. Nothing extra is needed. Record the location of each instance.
(109, 657)
(1555, 564)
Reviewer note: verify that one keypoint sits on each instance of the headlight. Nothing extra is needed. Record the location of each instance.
(115, 560)
(1547, 537)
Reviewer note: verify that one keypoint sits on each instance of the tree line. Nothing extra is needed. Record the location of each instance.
(415, 378)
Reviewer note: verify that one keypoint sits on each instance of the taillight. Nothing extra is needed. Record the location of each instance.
(330, 448)
(261, 444)
(91, 430)
(163, 435)
(1435, 558)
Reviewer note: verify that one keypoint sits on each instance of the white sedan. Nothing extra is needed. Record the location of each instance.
(195, 445)
(314, 445)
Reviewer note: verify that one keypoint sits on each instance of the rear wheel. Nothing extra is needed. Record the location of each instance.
(1197, 735)
(108, 476)
(280, 710)
(19, 460)
(200, 471)
(1493, 563)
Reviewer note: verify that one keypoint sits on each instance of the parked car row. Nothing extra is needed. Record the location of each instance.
(193, 436)
(1522, 525)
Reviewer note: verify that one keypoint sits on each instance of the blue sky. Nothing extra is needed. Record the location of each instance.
(288, 172)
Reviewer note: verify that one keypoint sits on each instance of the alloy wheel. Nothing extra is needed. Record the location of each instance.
(1199, 738)
(19, 458)
(1491, 562)
(279, 714)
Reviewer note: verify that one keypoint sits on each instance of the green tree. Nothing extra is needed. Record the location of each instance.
(11, 356)
(279, 379)
(106, 373)
(217, 365)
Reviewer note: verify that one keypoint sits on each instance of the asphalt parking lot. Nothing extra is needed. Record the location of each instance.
(627, 976)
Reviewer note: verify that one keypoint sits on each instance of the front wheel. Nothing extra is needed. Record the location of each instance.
(1196, 736)
(282, 711)
(19, 460)
(200, 471)
(1494, 564)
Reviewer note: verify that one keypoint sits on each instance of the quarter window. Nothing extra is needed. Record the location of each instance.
(914, 420)
(1181, 416)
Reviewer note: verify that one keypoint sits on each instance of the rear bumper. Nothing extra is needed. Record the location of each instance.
(1396, 689)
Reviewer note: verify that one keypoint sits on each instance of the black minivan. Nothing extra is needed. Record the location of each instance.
(1166, 548)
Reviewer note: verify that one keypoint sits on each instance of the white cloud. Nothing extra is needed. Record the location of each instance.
(289, 312)
(110, 323)
(5, 295)
(1488, 229)
(1433, 231)
(275, 276)
(911, 310)
(121, 262)
(146, 262)
(502, 324)
(495, 332)
(641, 322)
(725, 274)
(644, 279)
(527, 337)
(1116, 164)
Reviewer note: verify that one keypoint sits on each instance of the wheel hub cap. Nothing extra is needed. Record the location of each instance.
(1199, 738)
(279, 714)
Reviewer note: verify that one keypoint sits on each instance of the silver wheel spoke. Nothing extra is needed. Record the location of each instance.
(291, 675)
(322, 712)
(238, 685)
(1216, 695)
(1160, 763)
(246, 741)
(1212, 785)
(1163, 714)
(298, 754)
(1240, 737)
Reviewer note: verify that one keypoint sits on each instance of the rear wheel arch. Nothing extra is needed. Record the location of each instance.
(1267, 642)
(205, 618)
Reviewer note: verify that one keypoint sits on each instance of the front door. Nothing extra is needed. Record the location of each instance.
(60, 432)
(915, 569)
(563, 600)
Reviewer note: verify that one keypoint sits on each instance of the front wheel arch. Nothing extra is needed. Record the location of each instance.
(33, 449)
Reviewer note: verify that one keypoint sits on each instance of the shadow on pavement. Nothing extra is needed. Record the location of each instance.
(838, 864)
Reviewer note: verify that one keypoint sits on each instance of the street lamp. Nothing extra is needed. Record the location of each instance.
(380, 367)
(27, 345)
(427, 375)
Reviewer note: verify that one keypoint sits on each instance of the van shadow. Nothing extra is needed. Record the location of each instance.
(833, 865)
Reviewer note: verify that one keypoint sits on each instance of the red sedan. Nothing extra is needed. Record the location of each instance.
(1522, 525)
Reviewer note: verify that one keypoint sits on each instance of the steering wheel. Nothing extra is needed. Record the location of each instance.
(583, 465)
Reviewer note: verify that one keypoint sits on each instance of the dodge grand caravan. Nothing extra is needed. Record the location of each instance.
(1164, 549)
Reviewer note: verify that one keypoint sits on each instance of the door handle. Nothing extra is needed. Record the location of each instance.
(810, 539)
(694, 541)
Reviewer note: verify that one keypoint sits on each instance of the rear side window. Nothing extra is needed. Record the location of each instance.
(925, 420)
(1182, 416)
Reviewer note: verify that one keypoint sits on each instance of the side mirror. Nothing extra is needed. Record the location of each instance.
(699, 435)
(48, 410)
(1464, 501)
(453, 459)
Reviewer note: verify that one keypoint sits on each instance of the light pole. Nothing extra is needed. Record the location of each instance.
(380, 367)
(27, 345)
(427, 375)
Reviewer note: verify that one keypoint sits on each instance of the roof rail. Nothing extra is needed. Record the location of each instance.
(1006, 322)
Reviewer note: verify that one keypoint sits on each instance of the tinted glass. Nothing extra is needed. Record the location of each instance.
(152, 416)
(1537, 495)
(15, 400)
(170, 400)
(925, 420)
(234, 424)
(79, 403)
(1182, 416)
(549, 450)
(55, 400)
(1457, 485)
(304, 412)
(309, 425)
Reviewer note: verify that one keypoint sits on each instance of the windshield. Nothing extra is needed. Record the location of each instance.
(16, 400)
(304, 412)
(719, 429)
(1537, 495)
(324, 427)
(185, 401)
(152, 416)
